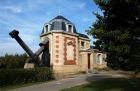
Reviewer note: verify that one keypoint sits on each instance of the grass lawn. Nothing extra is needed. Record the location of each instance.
(15, 86)
(112, 84)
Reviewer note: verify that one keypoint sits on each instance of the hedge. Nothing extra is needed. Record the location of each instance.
(15, 76)
(13, 61)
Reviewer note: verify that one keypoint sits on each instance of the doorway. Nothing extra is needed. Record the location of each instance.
(89, 61)
(46, 56)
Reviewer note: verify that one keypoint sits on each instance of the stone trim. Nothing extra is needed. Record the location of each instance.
(57, 61)
(57, 46)
(57, 49)
(66, 61)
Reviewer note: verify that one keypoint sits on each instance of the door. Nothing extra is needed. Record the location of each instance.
(89, 61)
(46, 56)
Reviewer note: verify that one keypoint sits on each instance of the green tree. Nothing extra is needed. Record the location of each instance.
(118, 32)
(13, 61)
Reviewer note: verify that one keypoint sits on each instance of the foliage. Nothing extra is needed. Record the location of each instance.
(13, 61)
(112, 84)
(118, 32)
(16, 76)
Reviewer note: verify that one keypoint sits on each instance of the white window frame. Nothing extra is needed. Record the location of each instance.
(45, 28)
(99, 59)
(83, 44)
(68, 28)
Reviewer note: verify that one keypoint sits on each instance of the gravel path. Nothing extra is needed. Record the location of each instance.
(68, 82)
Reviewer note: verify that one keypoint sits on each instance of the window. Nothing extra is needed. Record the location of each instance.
(99, 58)
(69, 28)
(87, 45)
(57, 37)
(57, 51)
(57, 56)
(82, 43)
(46, 28)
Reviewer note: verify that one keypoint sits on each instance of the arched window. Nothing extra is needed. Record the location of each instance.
(82, 43)
(46, 28)
(99, 58)
(69, 28)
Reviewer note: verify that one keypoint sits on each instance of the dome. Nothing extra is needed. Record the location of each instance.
(59, 23)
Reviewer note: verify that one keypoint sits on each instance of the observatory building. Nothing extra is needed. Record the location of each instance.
(69, 51)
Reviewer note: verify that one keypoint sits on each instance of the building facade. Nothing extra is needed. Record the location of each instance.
(69, 51)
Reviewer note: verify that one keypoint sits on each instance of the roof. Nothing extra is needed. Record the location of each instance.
(60, 23)
(61, 17)
(82, 35)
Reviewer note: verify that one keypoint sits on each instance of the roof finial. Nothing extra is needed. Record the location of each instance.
(59, 11)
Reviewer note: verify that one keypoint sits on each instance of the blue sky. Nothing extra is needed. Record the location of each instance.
(29, 16)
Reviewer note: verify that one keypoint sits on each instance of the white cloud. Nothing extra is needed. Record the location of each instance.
(28, 32)
(32, 5)
(70, 5)
(28, 37)
(14, 22)
(80, 5)
(13, 9)
(14, 48)
(10, 48)
(29, 16)
(85, 19)
(48, 13)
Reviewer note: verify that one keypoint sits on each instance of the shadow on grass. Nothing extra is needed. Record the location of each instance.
(15, 86)
(116, 84)
(109, 84)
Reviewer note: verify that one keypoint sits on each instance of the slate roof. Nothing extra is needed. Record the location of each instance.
(59, 23)
(83, 35)
(61, 17)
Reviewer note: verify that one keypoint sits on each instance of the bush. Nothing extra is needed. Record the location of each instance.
(16, 76)
(102, 69)
(13, 61)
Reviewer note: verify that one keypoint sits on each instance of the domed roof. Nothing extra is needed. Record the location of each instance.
(61, 18)
(60, 23)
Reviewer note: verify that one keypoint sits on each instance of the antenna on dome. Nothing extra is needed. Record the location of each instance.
(59, 11)
(58, 7)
